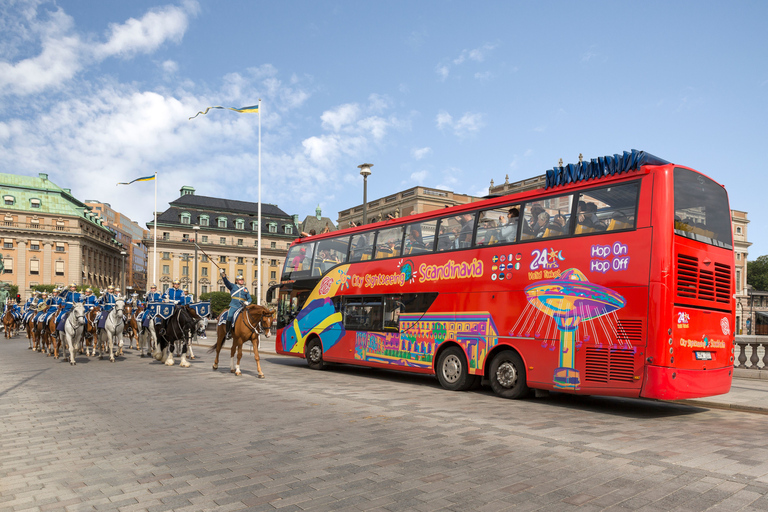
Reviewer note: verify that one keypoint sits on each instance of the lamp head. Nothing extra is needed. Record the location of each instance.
(365, 169)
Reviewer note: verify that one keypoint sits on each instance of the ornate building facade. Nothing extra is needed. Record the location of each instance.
(226, 231)
(50, 237)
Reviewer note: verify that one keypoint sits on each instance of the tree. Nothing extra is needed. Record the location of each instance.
(219, 301)
(757, 273)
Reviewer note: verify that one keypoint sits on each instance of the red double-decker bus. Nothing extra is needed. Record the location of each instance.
(616, 278)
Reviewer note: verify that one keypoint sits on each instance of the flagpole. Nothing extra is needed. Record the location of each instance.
(258, 257)
(154, 259)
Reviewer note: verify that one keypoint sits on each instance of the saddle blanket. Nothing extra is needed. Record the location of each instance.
(223, 316)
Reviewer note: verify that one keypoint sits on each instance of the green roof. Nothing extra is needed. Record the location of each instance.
(53, 199)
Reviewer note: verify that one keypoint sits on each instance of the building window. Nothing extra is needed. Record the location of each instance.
(34, 267)
(273, 275)
(272, 227)
(185, 237)
(166, 255)
(256, 273)
(222, 289)
(222, 222)
(185, 270)
(59, 268)
(272, 263)
(166, 235)
(273, 245)
(165, 288)
(8, 243)
(204, 221)
(288, 229)
(8, 262)
(738, 255)
(166, 269)
(60, 247)
(34, 203)
(186, 218)
(239, 224)
(204, 271)
(738, 229)
(240, 242)
(239, 260)
(204, 259)
(34, 245)
(738, 281)
(222, 259)
(9, 200)
(204, 289)
(222, 241)
(205, 239)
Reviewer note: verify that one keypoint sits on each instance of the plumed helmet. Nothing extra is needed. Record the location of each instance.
(45, 294)
(153, 286)
(72, 284)
(110, 287)
(88, 290)
(176, 281)
(240, 276)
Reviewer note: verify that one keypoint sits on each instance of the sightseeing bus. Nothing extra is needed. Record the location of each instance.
(615, 278)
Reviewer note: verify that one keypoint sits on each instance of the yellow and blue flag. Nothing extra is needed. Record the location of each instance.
(243, 110)
(145, 178)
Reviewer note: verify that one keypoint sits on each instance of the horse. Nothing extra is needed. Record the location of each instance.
(177, 328)
(249, 325)
(131, 326)
(73, 330)
(90, 334)
(9, 323)
(148, 339)
(113, 328)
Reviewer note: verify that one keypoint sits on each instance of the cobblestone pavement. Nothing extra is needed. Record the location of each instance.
(136, 435)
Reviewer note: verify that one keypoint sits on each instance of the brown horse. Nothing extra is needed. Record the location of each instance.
(51, 336)
(9, 323)
(253, 321)
(130, 327)
(89, 332)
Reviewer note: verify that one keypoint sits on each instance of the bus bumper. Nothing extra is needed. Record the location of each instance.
(676, 384)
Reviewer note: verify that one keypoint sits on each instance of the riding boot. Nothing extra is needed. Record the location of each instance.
(229, 329)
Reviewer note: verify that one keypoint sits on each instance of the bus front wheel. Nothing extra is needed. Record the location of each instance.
(452, 371)
(507, 375)
(315, 354)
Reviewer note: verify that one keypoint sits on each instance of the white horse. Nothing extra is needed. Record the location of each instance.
(73, 330)
(113, 330)
(148, 340)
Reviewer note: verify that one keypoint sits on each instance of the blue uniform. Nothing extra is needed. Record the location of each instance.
(174, 295)
(88, 301)
(239, 294)
(151, 297)
(70, 298)
(107, 303)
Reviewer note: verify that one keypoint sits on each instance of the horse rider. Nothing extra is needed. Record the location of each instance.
(175, 294)
(30, 307)
(152, 296)
(88, 299)
(240, 298)
(70, 297)
(107, 303)
(55, 301)
(42, 307)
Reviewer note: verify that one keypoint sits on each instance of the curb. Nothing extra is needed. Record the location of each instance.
(725, 406)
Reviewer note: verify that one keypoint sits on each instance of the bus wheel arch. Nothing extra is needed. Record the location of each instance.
(507, 373)
(313, 352)
(452, 368)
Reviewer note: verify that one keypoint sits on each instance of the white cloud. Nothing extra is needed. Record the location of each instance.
(419, 153)
(419, 176)
(442, 72)
(476, 55)
(340, 117)
(469, 123)
(146, 34)
(485, 76)
(170, 67)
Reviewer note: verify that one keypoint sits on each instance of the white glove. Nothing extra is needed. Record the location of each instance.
(221, 270)
(247, 303)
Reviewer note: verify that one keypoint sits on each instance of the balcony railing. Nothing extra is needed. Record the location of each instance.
(750, 352)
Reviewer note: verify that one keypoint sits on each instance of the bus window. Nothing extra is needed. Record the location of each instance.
(329, 253)
(420, 237)
(392, 309)
(455, 232)
(498, 226)
(298, 261)
(389, 242)
(362, 247)
(701, 209)
(547, 218)
(362, 313)
(607, 209)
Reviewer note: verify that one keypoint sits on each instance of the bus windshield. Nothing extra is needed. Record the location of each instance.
(701, 209)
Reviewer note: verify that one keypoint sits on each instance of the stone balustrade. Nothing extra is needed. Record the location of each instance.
(751, 356)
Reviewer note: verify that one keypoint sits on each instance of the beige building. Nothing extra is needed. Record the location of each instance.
(411, 201)
(131, 236)
(49, 237)
(739, 222)
(226, 231)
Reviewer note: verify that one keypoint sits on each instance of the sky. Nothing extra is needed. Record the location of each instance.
(446, 94)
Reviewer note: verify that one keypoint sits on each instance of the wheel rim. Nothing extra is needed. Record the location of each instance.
(506, 375)
(315, 354)
(452, 368)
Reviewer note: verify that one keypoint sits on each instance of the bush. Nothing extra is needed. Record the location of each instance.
(219, 301)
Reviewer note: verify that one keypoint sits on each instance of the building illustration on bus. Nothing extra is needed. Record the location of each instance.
(616, 278)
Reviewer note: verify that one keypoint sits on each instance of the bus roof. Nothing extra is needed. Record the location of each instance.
(596, 168)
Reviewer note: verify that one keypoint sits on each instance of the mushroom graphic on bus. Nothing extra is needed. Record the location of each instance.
(569, 300)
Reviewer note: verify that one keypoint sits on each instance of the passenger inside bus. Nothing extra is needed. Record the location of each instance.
(415, 244)
(540, 226)
(509, 225)
(444, 239)
(361, 248)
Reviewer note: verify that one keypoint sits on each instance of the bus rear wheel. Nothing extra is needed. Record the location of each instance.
(315, 354)
(452, 370)
(507, 375)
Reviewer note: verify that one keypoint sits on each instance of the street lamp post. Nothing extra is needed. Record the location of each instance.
(365, 171)
(122, 282)
(196, 229)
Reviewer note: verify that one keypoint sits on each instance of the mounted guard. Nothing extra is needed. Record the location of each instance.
(70, 297)
(152, 296)
(107, 303)
(240, 298)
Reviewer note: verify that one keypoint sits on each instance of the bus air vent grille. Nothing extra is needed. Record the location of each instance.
(702, 284)
(610, 364)
(630, 331)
